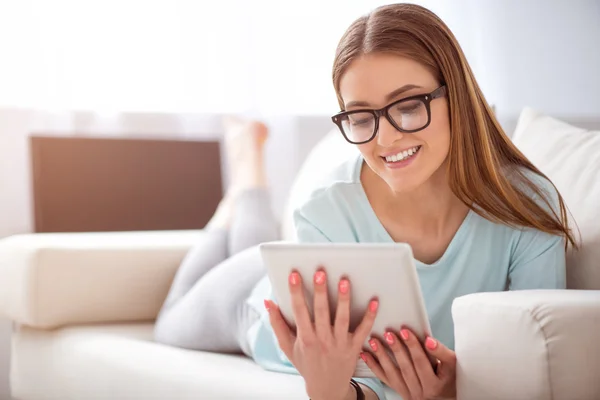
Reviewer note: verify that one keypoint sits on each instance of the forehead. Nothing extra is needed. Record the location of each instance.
(371, 77)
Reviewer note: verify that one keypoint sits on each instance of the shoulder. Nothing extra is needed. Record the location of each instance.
(531, 242)
(343, 177)
(332, 202)
(537, 187)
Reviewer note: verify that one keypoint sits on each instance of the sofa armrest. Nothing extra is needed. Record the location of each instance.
(50, 280)
(534, 344)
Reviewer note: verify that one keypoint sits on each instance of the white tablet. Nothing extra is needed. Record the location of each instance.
(385, 271)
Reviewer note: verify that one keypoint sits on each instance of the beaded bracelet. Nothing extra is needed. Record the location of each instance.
(360, 395)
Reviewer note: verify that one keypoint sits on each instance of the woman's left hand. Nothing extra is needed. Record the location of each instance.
(414, 378)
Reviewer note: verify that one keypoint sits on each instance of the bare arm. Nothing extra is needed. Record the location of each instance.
(369, 394)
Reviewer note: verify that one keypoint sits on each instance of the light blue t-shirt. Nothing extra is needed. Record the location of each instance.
(483, 256)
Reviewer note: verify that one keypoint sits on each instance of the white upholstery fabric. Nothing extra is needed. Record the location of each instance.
(109, 362)
(49, 280)
(570, 157)
(121, 362)
(330, 152)
(528, 345)
(542, 345)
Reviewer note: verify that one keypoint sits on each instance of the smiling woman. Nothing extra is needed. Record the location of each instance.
(434, 170)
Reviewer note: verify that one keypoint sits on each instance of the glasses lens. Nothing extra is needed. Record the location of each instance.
(409, 115)
(358, 127)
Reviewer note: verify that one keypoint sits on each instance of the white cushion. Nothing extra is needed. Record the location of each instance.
(329, 152)
(122, 362)
(528, 345)
(570, 157)
(49, 280)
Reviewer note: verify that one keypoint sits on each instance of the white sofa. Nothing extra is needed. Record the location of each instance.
(83, 306)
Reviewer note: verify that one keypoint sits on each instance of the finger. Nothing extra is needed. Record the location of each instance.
(342, 313)
(405, 364)
(447, 357)
(304, 325)
(375, 367)
(321, 307)
(420, 360)
(282, 331)
(365, 327)
(393, 375)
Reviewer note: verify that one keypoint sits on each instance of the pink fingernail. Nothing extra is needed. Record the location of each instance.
(430, 343)
(363, 356)
(389, 337)
(294, 278)
(373, 305)
(373, 344)
(267, 305)
(344, 286)
(320, 278)
(404, 333)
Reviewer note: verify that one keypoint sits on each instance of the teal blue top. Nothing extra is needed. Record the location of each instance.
(483, 256)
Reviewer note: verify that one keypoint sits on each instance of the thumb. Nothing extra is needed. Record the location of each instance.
(282, 331)
(446, 356)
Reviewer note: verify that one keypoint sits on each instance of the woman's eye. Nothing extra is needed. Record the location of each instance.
(409, 108)
(360, 122)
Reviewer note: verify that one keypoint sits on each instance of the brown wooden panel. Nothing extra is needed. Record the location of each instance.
(118, 184)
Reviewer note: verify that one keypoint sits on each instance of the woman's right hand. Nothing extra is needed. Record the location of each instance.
(325, 355)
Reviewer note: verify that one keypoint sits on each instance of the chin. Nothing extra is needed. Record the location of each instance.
(404, 184)
(405, 177)
(404, 180)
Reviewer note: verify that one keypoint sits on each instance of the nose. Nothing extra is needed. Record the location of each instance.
(387, 134)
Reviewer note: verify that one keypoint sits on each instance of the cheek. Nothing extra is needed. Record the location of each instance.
(437, 137)
(367, 150)
(438, 140)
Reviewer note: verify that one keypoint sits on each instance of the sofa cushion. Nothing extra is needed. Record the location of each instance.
(570, 157)
(54, 279)
(121, 362)
(330, 151)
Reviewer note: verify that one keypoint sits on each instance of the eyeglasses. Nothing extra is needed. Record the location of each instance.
(407, 115)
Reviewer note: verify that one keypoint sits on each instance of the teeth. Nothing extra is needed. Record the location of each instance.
(402, 155)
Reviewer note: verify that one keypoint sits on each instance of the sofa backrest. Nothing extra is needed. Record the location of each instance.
(570, 157)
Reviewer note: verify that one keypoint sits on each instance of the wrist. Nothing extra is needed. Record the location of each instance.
(349, 393)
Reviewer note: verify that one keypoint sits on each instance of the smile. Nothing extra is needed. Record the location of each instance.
(403, 155)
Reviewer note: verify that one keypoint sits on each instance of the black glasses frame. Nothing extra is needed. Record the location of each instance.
(425, 98)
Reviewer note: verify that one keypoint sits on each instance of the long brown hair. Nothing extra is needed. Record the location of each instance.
(486, 171)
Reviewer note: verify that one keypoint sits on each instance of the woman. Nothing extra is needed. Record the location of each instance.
(436, 171)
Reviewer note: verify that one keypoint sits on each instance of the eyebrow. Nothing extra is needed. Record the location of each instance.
(388, 98)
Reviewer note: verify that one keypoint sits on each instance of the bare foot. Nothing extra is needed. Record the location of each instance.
(244, 148)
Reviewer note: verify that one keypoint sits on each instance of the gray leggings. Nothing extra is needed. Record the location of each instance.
(206, 306)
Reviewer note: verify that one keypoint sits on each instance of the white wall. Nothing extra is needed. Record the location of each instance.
(539, 53)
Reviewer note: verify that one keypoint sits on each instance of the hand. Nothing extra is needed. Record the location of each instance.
(324, 355)
(414, 378)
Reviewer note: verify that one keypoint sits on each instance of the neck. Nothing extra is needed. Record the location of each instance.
(427, 208)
